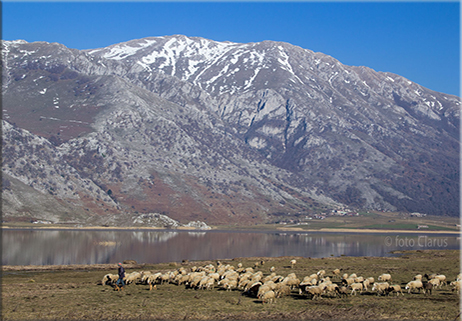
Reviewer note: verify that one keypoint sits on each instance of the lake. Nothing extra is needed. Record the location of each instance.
(56, 247)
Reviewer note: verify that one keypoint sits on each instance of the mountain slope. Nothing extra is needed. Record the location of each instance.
(227, 132)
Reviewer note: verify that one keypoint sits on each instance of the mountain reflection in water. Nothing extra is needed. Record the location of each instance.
(55, 247)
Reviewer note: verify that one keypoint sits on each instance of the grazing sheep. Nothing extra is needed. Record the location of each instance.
(152, 280)
(353, 275)
(359, 279)
(366, 283)
(282, 290)
(354, 287)
(265, 288)
(183, 279)
(230, 284)
(292, 282)
(331, 289)
(252, 290)
(164, 278)
(415, 285)
(315, 291)
(371, 280)
(268, 297)
(194, 282)
(214, 276)
(348, 281)
(308, 280)
(442, 279)
(292, 263)
(229, 274)
(380, 287)
(203, 282)
(341, 291)
(435, 282)
(272, 269)
(321, 273)
(302, 286)
(269, 277)
(395, 288)
(243, 283)
(384, 278)
(418, 277)
(210, 284)
(336, 273)
(456, 286)
(110, 279)
(428, 287)
(133, 277)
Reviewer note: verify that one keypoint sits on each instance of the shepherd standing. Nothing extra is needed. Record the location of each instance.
(121, 278)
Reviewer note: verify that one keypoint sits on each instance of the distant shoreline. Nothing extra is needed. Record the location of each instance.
(277, 229)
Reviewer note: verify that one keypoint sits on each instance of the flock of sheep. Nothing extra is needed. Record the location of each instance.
(267, 288)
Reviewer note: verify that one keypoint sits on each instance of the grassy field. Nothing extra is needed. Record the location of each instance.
(76, 293)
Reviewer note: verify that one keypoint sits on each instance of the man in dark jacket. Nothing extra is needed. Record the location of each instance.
(121, 278)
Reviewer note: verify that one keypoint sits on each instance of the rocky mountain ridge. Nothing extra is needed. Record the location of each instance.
(223, 132)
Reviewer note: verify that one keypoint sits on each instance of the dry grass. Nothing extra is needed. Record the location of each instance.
(74, 294)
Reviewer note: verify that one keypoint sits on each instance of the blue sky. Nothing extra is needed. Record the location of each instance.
(417, 40)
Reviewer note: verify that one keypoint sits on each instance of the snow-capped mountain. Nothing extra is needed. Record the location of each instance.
(229, 132)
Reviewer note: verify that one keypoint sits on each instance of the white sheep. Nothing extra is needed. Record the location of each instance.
(435, 282)
(359, 279)
(348, 281)
(356, 286)
(442, 279)
(380, 287)
(415, 285)
(336, 273)
(282, 290)
(291, 281)
(265, 288)
(152, 279)
(229, 284)
(395, 288)
(268, 297)
(110, 279)
(385, 277)
(183, 279)
(293, 262)
(133, 277)
(267, 278)
(321, 273)
(315, 291)
(194, 282)
(331, 289)
(456, 286)
(366, 283)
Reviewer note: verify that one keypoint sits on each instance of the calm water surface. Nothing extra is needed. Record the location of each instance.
(53, 247)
